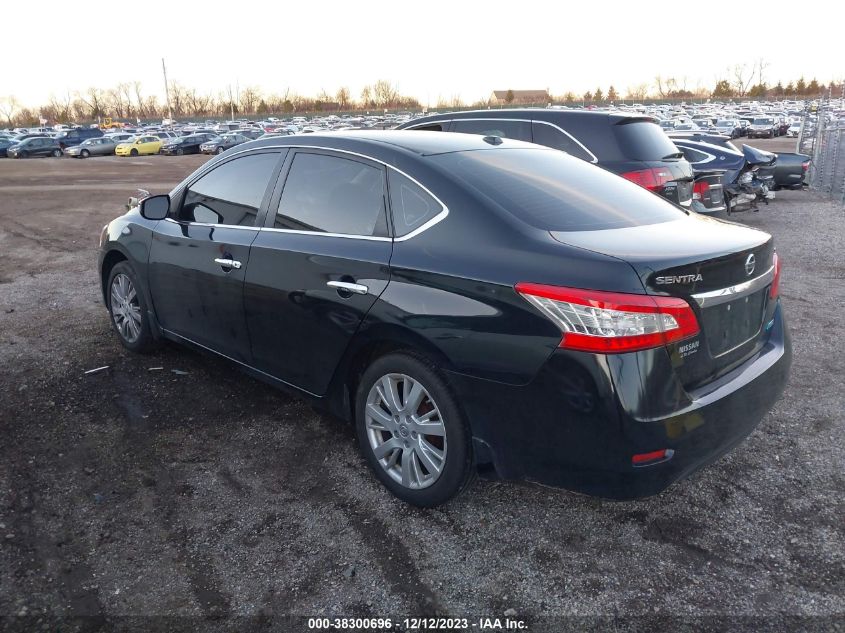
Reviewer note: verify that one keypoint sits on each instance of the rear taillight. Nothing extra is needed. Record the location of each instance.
(774, 290)
(652, 178)
(699, 189)
(805, 165)
(611, 322)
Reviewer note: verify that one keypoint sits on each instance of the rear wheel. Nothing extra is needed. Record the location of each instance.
(128, 309)
(411, 430)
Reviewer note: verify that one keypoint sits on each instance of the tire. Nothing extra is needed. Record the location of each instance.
(219, 150)
(448, 446)
(179, 151)
(84, 153)
(23, 155)
(133, 152)
(57, 153)
(138, 337)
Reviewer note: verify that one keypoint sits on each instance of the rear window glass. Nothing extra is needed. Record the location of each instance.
(554, 192)
(643, 140)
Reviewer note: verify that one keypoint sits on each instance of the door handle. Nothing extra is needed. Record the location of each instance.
(358, 289)
(227, 263)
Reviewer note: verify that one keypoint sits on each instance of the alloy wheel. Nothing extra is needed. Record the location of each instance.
(125, 308)
(406, 431)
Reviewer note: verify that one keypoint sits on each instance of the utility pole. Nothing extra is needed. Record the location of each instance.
(166, 90)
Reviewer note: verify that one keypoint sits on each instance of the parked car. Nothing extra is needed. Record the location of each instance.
(118, 137)
(251, 133)
(5, 144)
(69, 138)
(220, 144)
(790, 170)
(762, 127)
(632, 146)
(728, 127)
(186, 144)
(165, 135)
(468, 302)
(139, 146)
(794, 129)
(103, 146)
(35, 146)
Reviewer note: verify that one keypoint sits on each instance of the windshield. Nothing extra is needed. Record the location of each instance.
(762, 122)
(552, 191)
(724, 123)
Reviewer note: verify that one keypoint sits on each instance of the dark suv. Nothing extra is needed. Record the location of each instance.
(634, 147)
(70, 138)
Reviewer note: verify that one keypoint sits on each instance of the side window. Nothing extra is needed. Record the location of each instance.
(329, 194)
(230, 194)
(551, 136)
(412, 206)
(694, 156)
(431, 127)
(519, 130)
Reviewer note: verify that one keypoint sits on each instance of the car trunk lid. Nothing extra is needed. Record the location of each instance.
(722, 270)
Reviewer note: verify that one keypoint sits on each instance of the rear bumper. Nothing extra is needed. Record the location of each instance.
(580, 421)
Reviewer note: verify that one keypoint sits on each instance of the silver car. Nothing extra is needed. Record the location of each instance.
(102, 146)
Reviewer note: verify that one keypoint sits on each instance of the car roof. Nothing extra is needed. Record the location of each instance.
(539, 114)
(423, 143)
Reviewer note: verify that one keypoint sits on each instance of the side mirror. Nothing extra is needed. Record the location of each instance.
(155, 207)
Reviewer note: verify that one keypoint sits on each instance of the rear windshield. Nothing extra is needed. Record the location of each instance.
(554, 192)
(643, 140)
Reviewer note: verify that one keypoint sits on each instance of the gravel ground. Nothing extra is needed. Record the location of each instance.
(169, 485)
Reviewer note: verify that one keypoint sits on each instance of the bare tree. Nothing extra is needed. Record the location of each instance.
(367, 96)
(9, 107)
(638, 92)
(742, 79)
(384, 93)
(342, 97)
(139, 99)
(94, 99)
(249, 98)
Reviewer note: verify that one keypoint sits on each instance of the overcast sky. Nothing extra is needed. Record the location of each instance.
(429, 48)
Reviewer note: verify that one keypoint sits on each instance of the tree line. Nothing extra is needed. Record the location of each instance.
(128, 100)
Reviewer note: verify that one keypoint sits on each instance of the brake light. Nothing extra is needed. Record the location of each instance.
(774, 290)
(611, 322)
(652, 458)
(805, 165)
(652, 178)
(699, 189)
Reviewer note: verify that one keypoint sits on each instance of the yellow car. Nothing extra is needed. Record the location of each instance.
(138, 146)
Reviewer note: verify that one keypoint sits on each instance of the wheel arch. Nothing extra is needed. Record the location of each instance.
(374, 342)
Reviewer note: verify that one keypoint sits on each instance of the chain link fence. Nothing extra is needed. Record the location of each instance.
(822, 136)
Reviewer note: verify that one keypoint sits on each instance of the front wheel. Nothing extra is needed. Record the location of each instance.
(134, 152)
(411, 430)
(57, 153)
(179, 151)
(220, 150)
(85, 153)
(128, 309)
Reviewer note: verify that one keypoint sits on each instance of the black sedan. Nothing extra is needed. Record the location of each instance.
(220, 144)
(467, 302)
(185, 144)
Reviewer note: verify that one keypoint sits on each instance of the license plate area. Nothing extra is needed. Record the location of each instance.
(732, 324)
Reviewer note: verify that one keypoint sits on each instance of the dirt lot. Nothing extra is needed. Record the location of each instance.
(194, 491)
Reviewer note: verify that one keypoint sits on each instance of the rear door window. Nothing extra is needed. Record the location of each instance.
(503, 128)
(643, 140)
(230, 194)
(324, 193)
(551, 136)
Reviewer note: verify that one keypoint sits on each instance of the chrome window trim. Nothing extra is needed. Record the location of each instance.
(213, 226)
(723, 295)
(373, 238)
(557, 127)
